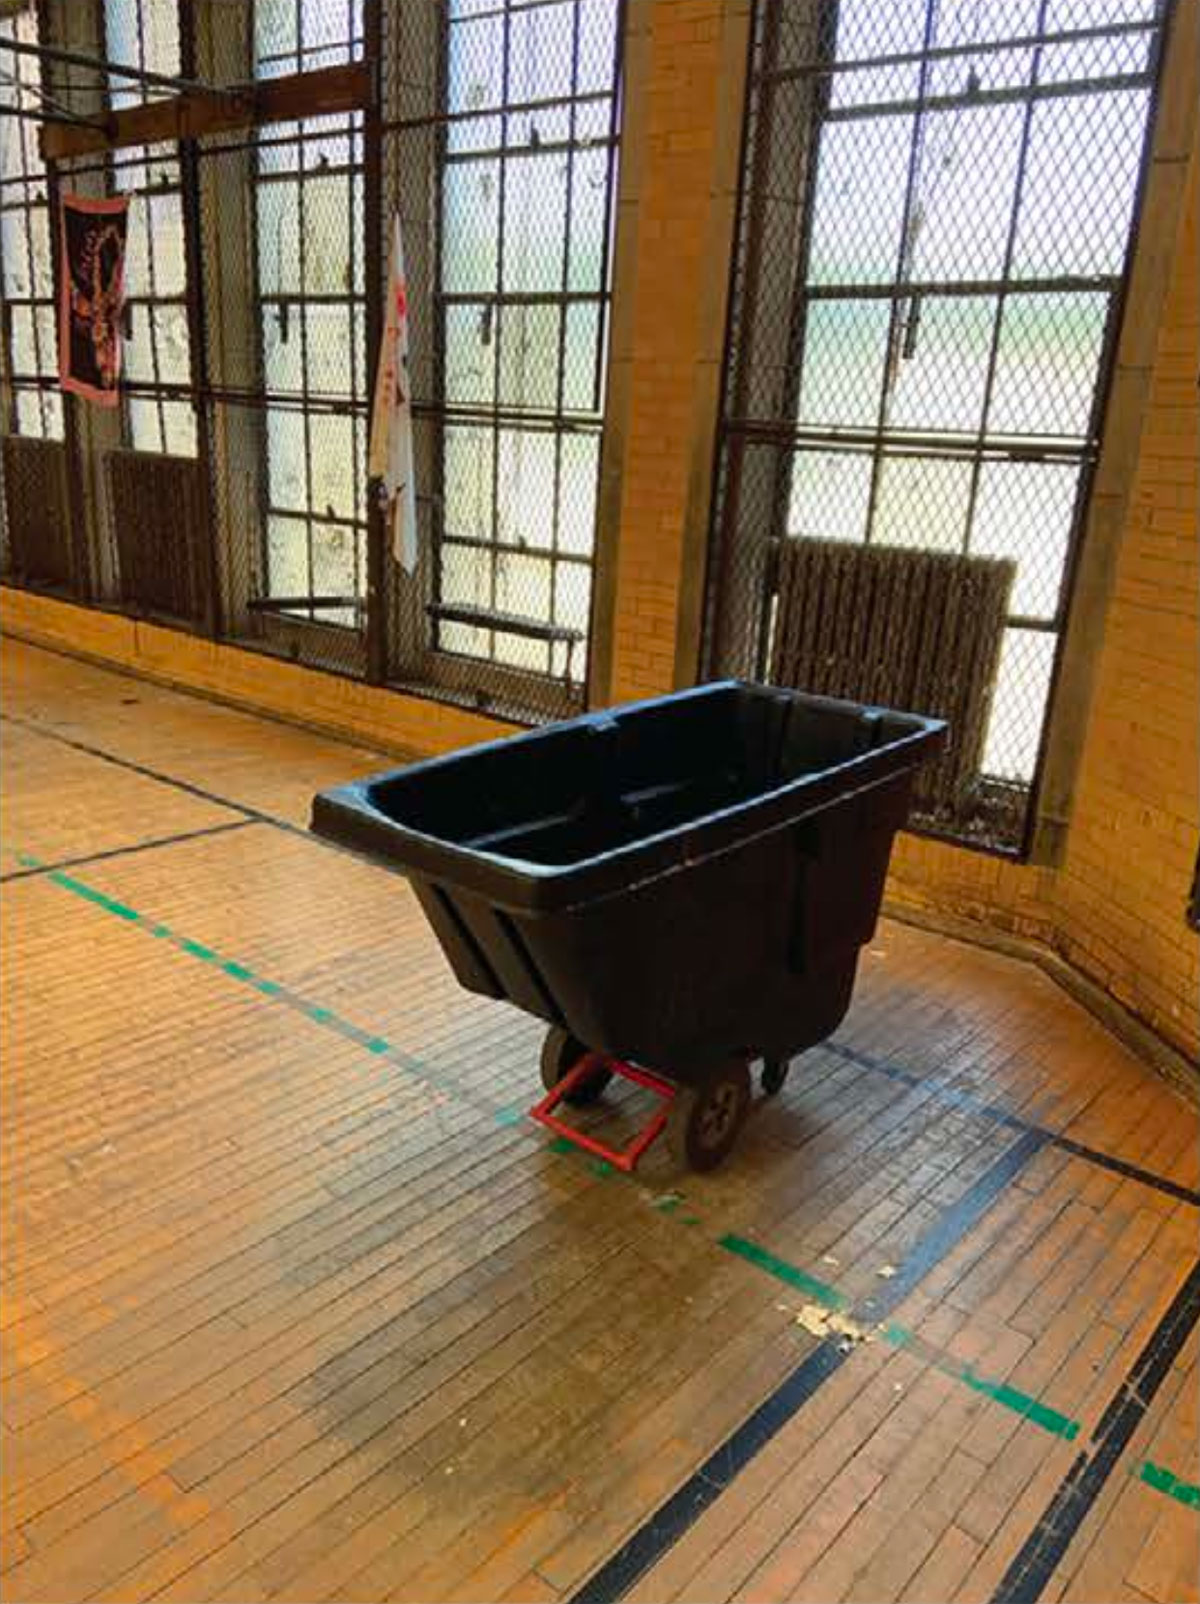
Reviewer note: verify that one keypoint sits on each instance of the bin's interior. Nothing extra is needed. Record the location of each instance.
(590, 787)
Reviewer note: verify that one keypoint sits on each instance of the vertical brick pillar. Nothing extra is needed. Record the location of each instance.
(685, 77)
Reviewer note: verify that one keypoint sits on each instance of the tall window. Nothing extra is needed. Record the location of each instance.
(522, 283)
(157, 362)
(27, 317)
(309, 267)
(955, 182)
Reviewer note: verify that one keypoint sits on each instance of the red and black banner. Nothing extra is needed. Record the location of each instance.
(91, 296)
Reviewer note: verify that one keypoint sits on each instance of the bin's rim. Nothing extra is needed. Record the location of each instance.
(346, 815)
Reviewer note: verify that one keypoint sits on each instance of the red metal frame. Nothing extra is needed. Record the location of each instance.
(622, 1158)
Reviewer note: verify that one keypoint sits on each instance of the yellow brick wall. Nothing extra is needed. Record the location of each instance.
(685, 79)
(1132, 845)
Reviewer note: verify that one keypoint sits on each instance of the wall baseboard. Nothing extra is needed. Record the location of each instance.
(1161, 1055)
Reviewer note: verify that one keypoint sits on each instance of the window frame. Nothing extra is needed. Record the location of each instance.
(483, 679)
(790, 438)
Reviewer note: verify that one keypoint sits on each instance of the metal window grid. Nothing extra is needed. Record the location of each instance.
(519, 124)
(27, 252)
(934, 227)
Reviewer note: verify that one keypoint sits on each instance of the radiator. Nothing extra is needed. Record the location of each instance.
(36, 511)
(157, 507)
(919, 631)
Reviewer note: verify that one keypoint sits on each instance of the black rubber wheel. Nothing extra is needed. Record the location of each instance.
(705, 1120)
(560, 1053)
(774, 1074)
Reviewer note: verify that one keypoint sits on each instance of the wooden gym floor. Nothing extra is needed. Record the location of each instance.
(297, 1303)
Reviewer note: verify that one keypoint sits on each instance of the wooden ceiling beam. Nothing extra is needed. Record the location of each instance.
(190, 115)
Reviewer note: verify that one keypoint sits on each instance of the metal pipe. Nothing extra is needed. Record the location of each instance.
(115, 69)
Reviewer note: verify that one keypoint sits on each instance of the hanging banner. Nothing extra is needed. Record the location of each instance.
(91, 296)
(390, 457)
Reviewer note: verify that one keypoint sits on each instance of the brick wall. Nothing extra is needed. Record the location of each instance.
(682, 173)
(1121, 896)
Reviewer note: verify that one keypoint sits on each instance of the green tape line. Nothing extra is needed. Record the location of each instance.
(790, 1274)
(1050, 1420)
(1039, 1414)
(1165, 1481)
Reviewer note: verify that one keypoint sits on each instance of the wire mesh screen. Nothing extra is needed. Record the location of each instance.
(499, 155)
(281, 243)
(935, 217)
(30, 406)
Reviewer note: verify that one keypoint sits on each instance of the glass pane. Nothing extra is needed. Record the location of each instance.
(275, 29)
(330, 22)
(589, 194)
(164, 220)
(942, 368)
(278, 237)
(540, 52)
(861, 178)
(179, 424)
(474, 134)
(138, 282)
(52, 416)
(30, 418)
(1080, 184)
(865, 29)
(331, 448)
(468, 482)
(46, 323)
(476, 70)
(529, 356)
(23, 344)
(171, 341)
(39, 252)
(145, 428)
(334, 566)
(279, 151)
(283, 348)
(573, 597)
(526, 489)
(471, 354)
(14, 251)
(966, 186)
(580, 455)
(287, 481)
(326, 238)
(831, 491)
(842, 373)
(597, 45)
(966, 22)
(922, 502)
(329, 350)
(534, 222)
(523, 587)
(1019, 704)
(1024, 511)
(137, 351)
(287, 557)
(471, 221)
(579, 357)
(1046, 364)
(1096, 58)
(466, 576)
(160, 35)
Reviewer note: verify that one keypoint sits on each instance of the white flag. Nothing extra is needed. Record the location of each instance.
(390, 456)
